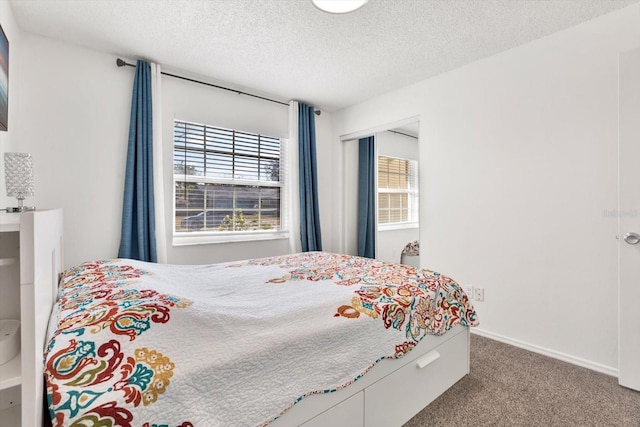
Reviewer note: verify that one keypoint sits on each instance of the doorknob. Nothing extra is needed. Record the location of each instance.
(632, 238)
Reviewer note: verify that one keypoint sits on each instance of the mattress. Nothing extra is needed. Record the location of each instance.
(232, 344)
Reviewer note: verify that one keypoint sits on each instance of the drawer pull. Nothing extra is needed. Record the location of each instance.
(427, 359)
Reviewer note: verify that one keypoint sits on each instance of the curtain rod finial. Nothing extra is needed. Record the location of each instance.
(318, 112)
(120, 62)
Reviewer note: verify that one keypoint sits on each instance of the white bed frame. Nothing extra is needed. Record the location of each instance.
(388, 395)
(40, 267)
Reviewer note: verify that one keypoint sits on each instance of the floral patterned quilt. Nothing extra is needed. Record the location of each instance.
(234, 344)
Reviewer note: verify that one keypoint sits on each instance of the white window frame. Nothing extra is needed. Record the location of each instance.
(412, 192)
(183, 238)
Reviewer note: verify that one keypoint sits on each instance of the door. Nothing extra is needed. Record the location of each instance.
(629, 220)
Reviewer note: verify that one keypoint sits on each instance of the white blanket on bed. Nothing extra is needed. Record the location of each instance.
(233, 344)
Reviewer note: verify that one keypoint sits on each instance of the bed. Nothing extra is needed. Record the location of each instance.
(309, 339)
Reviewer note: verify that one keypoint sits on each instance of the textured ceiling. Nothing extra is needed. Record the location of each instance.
(290, 50)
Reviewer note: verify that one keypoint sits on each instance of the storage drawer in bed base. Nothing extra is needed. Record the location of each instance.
(396, 398)
(393, 392)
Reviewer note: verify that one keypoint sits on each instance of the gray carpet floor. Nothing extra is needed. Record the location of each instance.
(509, 386)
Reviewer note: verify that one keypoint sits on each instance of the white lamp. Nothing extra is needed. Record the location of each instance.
(18, 170)
(339, 6)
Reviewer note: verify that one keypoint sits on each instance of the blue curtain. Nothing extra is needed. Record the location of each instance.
(138, 239)
(310, 235)
(366, 198)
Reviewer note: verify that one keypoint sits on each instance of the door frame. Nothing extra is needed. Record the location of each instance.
(628, 219)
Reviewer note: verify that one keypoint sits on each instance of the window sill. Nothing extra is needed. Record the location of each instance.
(403, 226)
(204, 238)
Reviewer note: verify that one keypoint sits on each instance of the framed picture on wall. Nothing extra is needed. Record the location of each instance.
(4, 80)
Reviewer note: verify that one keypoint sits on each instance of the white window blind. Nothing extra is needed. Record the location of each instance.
(227, 181)
(397, 191)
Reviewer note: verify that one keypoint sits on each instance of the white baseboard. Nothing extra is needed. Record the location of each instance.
(551, 353)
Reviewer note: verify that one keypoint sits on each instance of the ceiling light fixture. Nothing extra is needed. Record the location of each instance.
(339, 6)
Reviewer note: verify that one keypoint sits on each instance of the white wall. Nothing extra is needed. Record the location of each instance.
(74, 118)
(520, 156)
(9, 242)
(74, 115)
(9, 276)
(7, 139)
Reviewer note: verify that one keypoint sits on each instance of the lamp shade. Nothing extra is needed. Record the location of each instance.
(18, 169)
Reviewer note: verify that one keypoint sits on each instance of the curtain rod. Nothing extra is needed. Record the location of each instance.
(121, 63)
(405, 134)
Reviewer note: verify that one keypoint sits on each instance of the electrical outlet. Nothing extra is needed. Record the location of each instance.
(479, 294)
(468, 289)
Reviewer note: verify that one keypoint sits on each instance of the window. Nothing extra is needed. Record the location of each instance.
(397, 191)
(226, 182)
